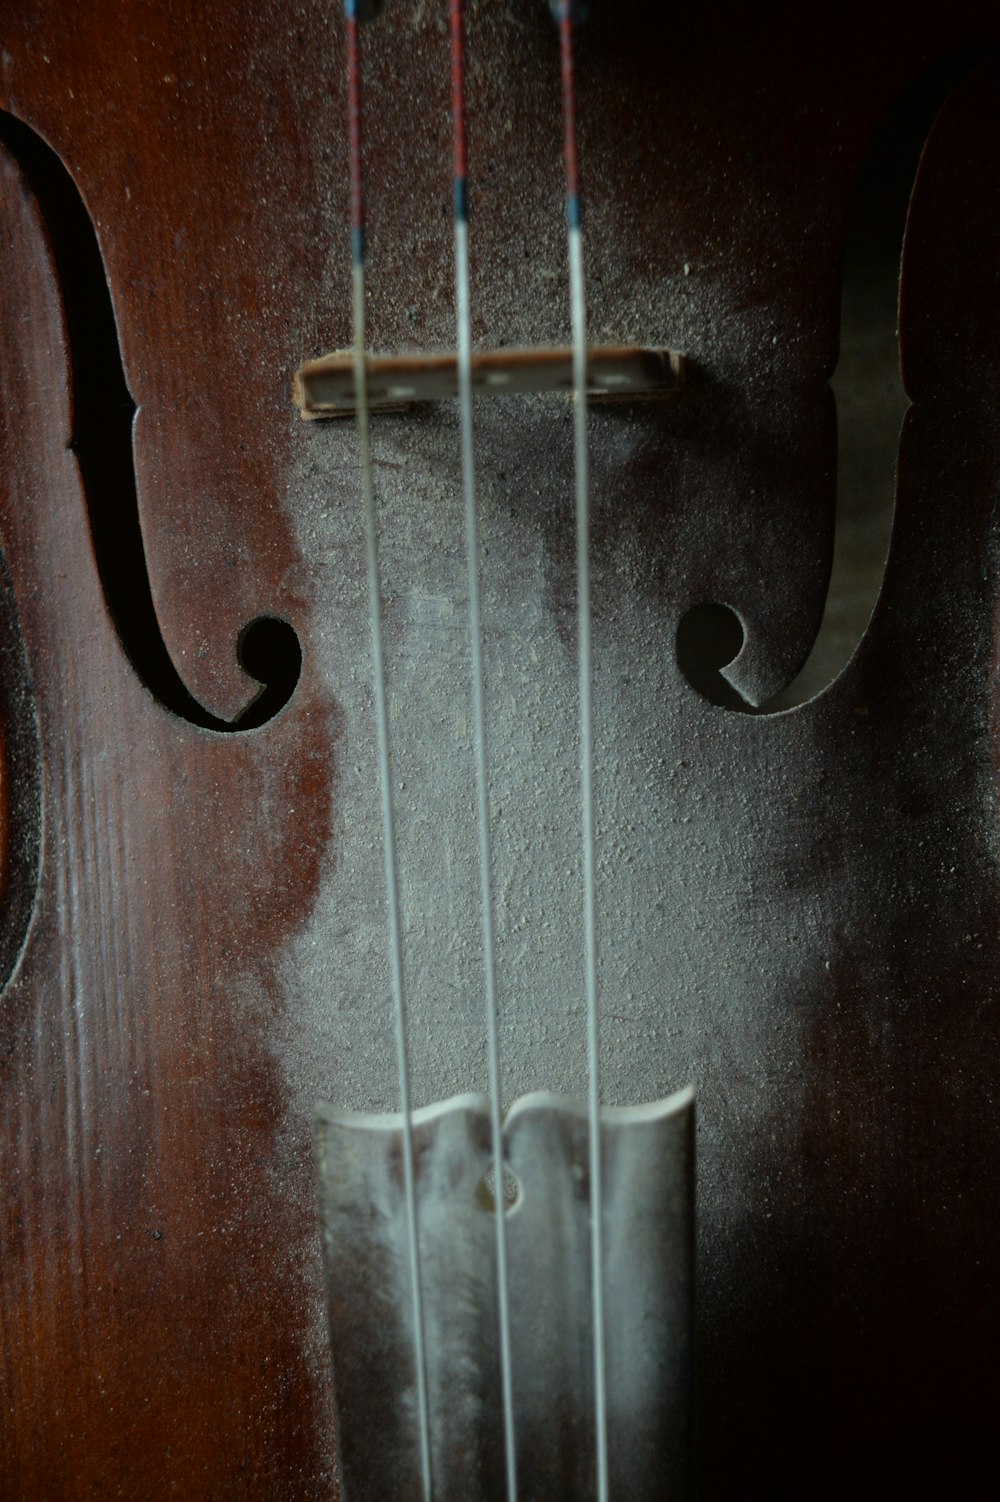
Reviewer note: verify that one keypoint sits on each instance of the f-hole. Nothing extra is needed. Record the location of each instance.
(871, 405)
(268, 649)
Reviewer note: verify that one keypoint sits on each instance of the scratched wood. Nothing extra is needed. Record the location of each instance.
(161, 1324)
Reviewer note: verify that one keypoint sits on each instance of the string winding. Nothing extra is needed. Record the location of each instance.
(464, 345)
(574, 218)
(354, 11)
(382, 719)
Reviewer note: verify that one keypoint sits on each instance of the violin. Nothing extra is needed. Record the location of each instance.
(796, 870)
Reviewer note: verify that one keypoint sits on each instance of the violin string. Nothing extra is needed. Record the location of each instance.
(574, 218)
(382, 719)
(464, 340)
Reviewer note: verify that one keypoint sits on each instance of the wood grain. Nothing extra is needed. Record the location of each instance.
(161, 1308)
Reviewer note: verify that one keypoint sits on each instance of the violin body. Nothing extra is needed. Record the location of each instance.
(799, 908)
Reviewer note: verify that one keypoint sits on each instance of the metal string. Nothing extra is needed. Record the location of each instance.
(464, 324)
(382, 717)
(579, 325)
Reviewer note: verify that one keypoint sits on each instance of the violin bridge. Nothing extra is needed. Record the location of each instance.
(617, 373)
(648, 1221)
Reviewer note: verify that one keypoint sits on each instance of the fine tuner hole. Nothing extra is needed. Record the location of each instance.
(269, 650)
(709, 637)
(486, 1191)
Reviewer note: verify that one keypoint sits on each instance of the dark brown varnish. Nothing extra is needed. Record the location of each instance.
(160, 1288)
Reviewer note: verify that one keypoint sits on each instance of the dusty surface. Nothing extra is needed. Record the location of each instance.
(798, 909)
